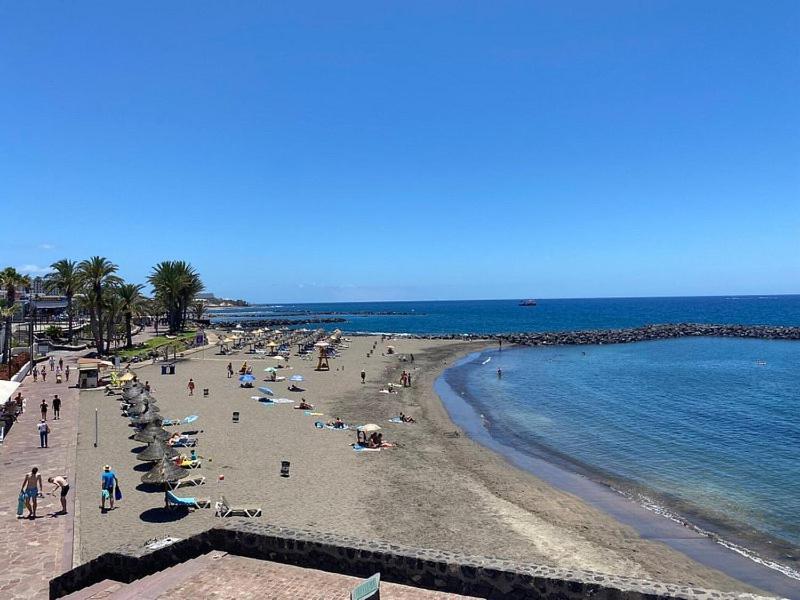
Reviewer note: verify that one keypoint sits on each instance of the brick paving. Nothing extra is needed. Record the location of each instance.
(240, 578)
(33, 552)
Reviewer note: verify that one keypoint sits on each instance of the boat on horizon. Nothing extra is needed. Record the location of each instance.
(528, 302)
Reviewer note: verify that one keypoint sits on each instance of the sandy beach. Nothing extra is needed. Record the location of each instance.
(431, 490)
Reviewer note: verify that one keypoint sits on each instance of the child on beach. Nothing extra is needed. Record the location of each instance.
(190, 385)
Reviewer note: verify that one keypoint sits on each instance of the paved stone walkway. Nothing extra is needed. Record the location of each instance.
(32, 552)
(226, 577)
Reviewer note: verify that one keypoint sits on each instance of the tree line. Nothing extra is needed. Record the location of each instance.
(93, 287)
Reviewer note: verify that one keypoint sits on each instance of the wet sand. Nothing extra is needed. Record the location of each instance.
(432, 490)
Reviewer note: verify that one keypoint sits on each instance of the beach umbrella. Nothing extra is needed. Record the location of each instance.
(151, 433)
(148, 417)
(276, 357)
(296, 378)
(127, 377)
(270, 370)
(132, 393)
(322, 344)
(247, 378)
(156, 451)
(369, 428)
(265, 390)
(164, 471)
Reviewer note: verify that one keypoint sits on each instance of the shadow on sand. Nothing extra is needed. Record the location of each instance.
(163, 515)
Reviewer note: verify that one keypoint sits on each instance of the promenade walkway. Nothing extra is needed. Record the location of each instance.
(32, 552)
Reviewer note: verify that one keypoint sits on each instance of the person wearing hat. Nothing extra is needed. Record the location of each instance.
(108, 482)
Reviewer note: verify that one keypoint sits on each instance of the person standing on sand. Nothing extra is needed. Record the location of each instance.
(43, 408)
(56, 407)
(66, 373)
(147, 387)
(363, 375)
(44, 430)
(62, 484)
(30, 487)
(230, 370)
(61, 363)
(108, 483)
(44, 374)
(35, 374)
(190, 386)
(52, 363)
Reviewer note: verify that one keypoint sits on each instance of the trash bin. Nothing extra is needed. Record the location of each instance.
(172, 369)
(205, 392)
(285, 468)
(235, 417)
(163, 369)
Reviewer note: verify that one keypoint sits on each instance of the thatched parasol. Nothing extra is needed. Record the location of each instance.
(148, 417)
(163, 472)
(132, 392)
(134, 410)
(151, 433)
(156, 451)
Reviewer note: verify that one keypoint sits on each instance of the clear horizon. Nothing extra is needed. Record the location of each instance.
(379, 152)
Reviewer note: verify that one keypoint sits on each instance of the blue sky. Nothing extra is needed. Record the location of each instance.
(408, 150)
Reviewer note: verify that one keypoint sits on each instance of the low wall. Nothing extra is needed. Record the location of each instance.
(433, 569)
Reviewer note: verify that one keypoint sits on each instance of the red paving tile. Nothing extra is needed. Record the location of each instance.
(239, 578)
(37, 550)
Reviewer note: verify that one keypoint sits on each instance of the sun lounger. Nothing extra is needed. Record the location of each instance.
(190, 464)
(186, 482)
(173, 500)
(223, 508)
(185, 443)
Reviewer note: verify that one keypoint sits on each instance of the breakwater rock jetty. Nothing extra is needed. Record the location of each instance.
(258, 323)
(634, 334)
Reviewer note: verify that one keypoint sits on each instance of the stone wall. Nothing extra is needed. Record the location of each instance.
(433, 569)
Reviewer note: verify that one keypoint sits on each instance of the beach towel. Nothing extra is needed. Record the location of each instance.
(262, 400)
(20, 504)
(319, 424)
(117, 493)
(308, 413)
(396, 420)
(343, 428)
(358, 448)
(283, 401)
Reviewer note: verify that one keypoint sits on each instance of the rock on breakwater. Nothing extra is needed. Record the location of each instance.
(627, 336)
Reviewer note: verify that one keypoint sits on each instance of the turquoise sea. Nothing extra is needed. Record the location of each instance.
(703, 430)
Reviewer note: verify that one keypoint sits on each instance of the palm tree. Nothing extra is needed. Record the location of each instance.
(112, 304)
(10, 281)
(175, 283)
(96, 276)
(64, 279)
(131, 304)
(199, 309)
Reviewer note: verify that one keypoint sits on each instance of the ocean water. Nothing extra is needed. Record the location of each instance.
(504, 316)
(705, 428)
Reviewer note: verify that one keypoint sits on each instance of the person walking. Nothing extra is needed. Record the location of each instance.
(61, 363)
(66, 373)
(44, 374)
(230, 370)
(44, 430)
(56, 407)
(30, 488)
(363, 375)
(190, 385)
(43, 408)
(62, 484)
(52, 363)
(108, 484)
(35, 373)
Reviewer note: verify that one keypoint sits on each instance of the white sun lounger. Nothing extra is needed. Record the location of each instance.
(223, 508)
(186, 482)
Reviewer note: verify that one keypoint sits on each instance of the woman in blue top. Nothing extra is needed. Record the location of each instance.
(108, 482)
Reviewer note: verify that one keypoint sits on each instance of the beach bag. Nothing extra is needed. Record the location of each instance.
(117, 493)
(20, 504)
